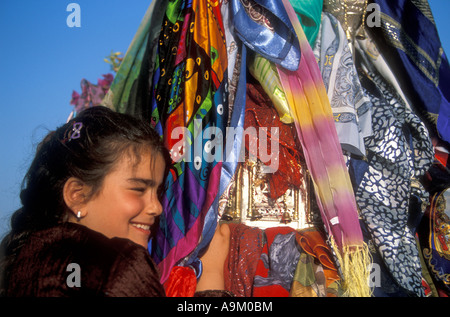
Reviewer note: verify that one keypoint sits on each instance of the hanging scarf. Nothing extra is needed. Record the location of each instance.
(399, 152)
(130, 89)
(263, 27)
(311, 111)
(309, 13)
(351, 107)
(189, 91)
(236, 83)
(409, 39)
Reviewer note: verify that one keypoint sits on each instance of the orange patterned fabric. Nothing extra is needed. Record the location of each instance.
(313, 243)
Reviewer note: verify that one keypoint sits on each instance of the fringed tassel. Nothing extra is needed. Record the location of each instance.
(354, 263)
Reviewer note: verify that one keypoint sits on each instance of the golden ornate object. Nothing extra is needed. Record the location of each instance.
(246, 200)
(351, 14)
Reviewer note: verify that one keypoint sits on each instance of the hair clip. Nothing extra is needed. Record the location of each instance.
(76, 129)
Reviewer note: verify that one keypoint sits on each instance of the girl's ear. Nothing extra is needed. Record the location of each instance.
(75, 193)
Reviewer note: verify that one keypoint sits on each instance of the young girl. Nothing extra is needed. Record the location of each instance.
(90, 201)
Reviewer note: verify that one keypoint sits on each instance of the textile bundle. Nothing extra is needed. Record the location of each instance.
(280, 262)
(359, 119)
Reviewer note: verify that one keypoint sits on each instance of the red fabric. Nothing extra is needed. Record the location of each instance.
(273, 290)
(441, 152)
(426, 288)
(182, 282)
(259, 113)
(243, 256)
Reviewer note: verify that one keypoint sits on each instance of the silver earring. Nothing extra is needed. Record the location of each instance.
(79, 215)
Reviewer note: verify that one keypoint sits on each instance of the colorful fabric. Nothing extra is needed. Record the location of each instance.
(190, 92)
(434, 237)
(351, 107)
(441, 153)
(314, 243)
(309, 14)
(260, 114)
(311, 110)
(264, 28)
(316, 274)
(246, 245)
(279, 261)
(236, 85)
(182, 282)
(309, 280)
(266, 73)
(295, 264)
(276, 267)
(409, 39)
(129, 92)
(399, 152)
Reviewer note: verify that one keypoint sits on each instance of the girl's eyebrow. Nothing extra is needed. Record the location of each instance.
(143, 181)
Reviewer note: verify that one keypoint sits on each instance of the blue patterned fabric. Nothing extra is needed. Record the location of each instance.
(351, 107)
(409, 39)
(399, 152)
(273, 36)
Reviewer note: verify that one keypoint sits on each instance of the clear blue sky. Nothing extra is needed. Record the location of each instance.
(42, 61)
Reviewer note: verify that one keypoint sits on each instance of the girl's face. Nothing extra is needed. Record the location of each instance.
(127, 204)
